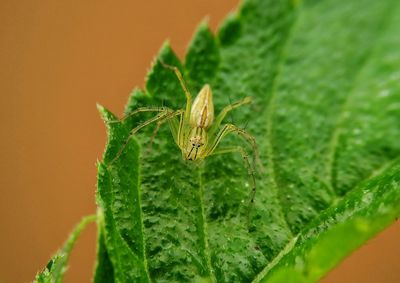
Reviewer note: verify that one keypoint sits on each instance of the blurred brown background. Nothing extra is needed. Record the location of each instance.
(57, 59)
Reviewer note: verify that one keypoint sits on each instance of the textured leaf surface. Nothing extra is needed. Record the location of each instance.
(324, 78)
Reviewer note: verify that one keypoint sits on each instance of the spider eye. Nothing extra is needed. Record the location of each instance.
(193, 144)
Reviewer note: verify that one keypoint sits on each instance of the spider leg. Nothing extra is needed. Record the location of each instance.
(218, 120)
(141, 110)
(230, 128)
(153, 135)
(184, 87)
(162, 116)
(250, 171)
(180, 138)
(173, 127)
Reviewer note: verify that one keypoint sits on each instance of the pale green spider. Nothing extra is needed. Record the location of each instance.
(196, 132)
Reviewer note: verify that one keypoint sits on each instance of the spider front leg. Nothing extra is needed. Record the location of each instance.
(185, 118)
(183, 85)
(173, 124)
(250, 171)
(230, 128)
(163, 116)
(218, 120)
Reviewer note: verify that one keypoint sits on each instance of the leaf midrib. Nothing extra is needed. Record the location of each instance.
(289, 246)
(269, 109)
(143, 240)
(204, 232)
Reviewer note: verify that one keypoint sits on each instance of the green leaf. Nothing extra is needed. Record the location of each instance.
(104, 271)
(324, 78)
(56, 267)
(118, 198)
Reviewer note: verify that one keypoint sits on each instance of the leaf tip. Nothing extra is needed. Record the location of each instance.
(105, 114)
(230, 29)
(100, 107)
(205, 23)
(164, 53)
(102, 110)
(203, 30)
(158, 74)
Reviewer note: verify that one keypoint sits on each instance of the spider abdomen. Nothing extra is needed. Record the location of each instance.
(202, 112)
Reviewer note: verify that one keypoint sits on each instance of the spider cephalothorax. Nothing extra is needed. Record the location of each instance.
(196, 145)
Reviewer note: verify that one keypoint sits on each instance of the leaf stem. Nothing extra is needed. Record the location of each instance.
(69, 244)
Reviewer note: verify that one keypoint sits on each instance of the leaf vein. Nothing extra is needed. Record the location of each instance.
(340, 122)
(203, 233)
(270, 109)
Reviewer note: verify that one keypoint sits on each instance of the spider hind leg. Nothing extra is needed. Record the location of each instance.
(251, 172)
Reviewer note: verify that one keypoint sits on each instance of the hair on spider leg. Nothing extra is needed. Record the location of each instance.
(230, 113)
(246, 124)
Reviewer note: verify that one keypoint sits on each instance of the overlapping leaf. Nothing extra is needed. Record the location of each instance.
(57, 265)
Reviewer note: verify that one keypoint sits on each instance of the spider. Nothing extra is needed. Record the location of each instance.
(196, 131)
